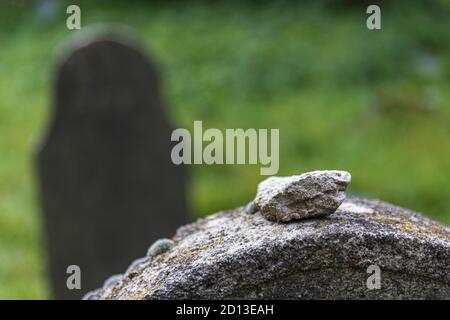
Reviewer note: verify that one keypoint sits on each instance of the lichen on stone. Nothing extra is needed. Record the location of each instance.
(159, 247)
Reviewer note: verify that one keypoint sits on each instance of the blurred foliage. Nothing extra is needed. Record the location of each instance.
(375, 103)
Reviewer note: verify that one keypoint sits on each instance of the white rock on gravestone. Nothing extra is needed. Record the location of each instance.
(312, 194)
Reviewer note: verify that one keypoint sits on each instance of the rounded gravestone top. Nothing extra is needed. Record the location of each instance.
(234, 254)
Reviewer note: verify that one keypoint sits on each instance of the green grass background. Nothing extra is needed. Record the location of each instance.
(375, 103)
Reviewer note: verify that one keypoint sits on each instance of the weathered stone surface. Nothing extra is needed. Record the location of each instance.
(312, 194)
(233, 254)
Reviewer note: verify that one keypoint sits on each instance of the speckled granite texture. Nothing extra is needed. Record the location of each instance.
(238, 255)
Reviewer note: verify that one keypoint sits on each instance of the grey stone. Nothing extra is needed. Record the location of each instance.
(312, 194)
(235, 255)
(106, 177)
(160, 246)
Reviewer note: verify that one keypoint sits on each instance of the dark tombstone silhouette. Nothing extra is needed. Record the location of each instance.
(108, 185)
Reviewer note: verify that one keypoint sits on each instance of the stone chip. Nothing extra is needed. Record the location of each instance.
(312, 194)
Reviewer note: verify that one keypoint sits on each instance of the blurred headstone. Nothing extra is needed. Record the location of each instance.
(108, 186)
